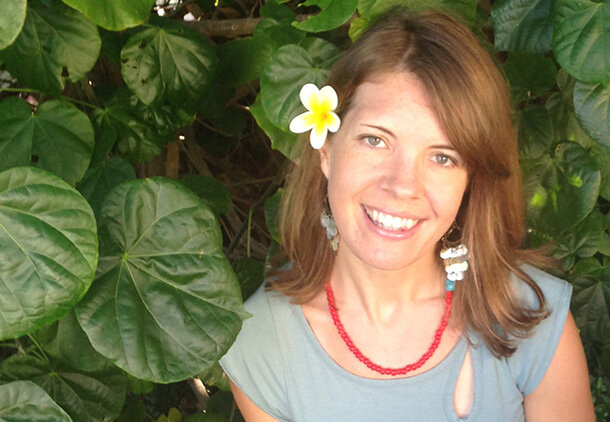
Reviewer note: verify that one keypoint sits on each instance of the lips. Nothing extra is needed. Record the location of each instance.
(389, 221)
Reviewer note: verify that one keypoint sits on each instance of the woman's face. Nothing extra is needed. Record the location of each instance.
(395, 182)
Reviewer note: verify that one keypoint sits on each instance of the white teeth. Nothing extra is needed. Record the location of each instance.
(390, 222)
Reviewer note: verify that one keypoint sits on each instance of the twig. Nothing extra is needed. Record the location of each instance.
(271, 188)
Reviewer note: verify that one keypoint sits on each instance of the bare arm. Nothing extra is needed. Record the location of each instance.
(564, 393)
(250, 411)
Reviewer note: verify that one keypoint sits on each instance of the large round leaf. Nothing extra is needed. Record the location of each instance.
(11, 20)
(562, 190)
(522, 25)
(530, 75)
(55, 44)
(243, 60)
(164, 304)
(66, 342)
(334, 13)
(174, 64)
(16, 134)
(114, 15)
(289, 68)
(86, 396)
(63, 140)
(581, 41)
(592, 108)
(48, 249)
(282, 140)
(24, 401)
(58, 134)
(102, 178)
(591, 300)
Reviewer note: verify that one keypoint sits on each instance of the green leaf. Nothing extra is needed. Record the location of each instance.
(584, 240)
(272, 214)
(48, 247)
(63, 140)
(250, 273)
(173, 64)
(287, 71)
(357, 27)
(530, 76)
(86, 396)
(592, 107)
(334, 14)
(11, 20)
(55, 44)
(323, 53)
(213, 192)
(278, 12)
(279, 33)
(561, 190)
(165, 303)
(138, 386)
(215, 376)
(22, 401)
(101, 179)
(17, 133)
(243, 60)
(522, 25)
(134, 411)
(535, 131)
(581, 40)
(206, 417)
(282, 140)
(591, 300)
(66, 342)
(137, 141)
(601, 155)
(114, 15)
(59, 134)
(222, 403)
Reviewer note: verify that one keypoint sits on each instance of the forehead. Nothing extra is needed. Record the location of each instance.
(396, 98)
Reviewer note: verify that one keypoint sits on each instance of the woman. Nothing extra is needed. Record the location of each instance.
(425, 157)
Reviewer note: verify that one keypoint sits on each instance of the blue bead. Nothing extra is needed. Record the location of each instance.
(449, 285)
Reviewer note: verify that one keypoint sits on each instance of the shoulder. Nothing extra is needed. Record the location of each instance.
(534, 353)
(557, 292)
(255, 362)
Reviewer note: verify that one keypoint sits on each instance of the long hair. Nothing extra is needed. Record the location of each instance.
(471, 102)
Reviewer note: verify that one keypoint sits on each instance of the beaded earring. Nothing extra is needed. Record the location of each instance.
(328, 222)
(454, 255)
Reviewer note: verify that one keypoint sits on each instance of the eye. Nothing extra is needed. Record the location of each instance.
(374, 141)
(444, 160)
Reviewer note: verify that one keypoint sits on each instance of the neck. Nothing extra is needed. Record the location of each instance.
(383, 295)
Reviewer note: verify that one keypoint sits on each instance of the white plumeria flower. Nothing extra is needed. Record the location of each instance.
(321, 117)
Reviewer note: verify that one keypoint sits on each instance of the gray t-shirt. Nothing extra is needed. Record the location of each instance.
(279, 364)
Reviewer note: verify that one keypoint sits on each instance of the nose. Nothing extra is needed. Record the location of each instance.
(404, 176)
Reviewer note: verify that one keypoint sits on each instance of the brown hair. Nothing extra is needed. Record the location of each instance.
(470, 98)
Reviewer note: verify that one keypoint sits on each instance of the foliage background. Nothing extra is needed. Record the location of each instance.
(142, 148)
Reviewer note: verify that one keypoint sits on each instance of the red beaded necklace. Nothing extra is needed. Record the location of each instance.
(330, 298)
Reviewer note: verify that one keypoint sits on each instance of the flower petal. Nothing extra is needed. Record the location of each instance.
(329, 96)
(302, 123)
(318, 136)
(333, 121)
(309, 95)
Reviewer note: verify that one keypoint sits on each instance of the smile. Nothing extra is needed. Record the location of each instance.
(389, 222)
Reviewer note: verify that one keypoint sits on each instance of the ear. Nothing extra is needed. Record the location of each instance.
(325, 159)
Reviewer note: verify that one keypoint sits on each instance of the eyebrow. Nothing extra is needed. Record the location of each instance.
(389, 132)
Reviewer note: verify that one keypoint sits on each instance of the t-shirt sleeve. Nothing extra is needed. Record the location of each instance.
(533, 356)
(255, 362)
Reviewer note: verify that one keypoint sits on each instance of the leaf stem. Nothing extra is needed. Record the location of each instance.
(41, 350)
